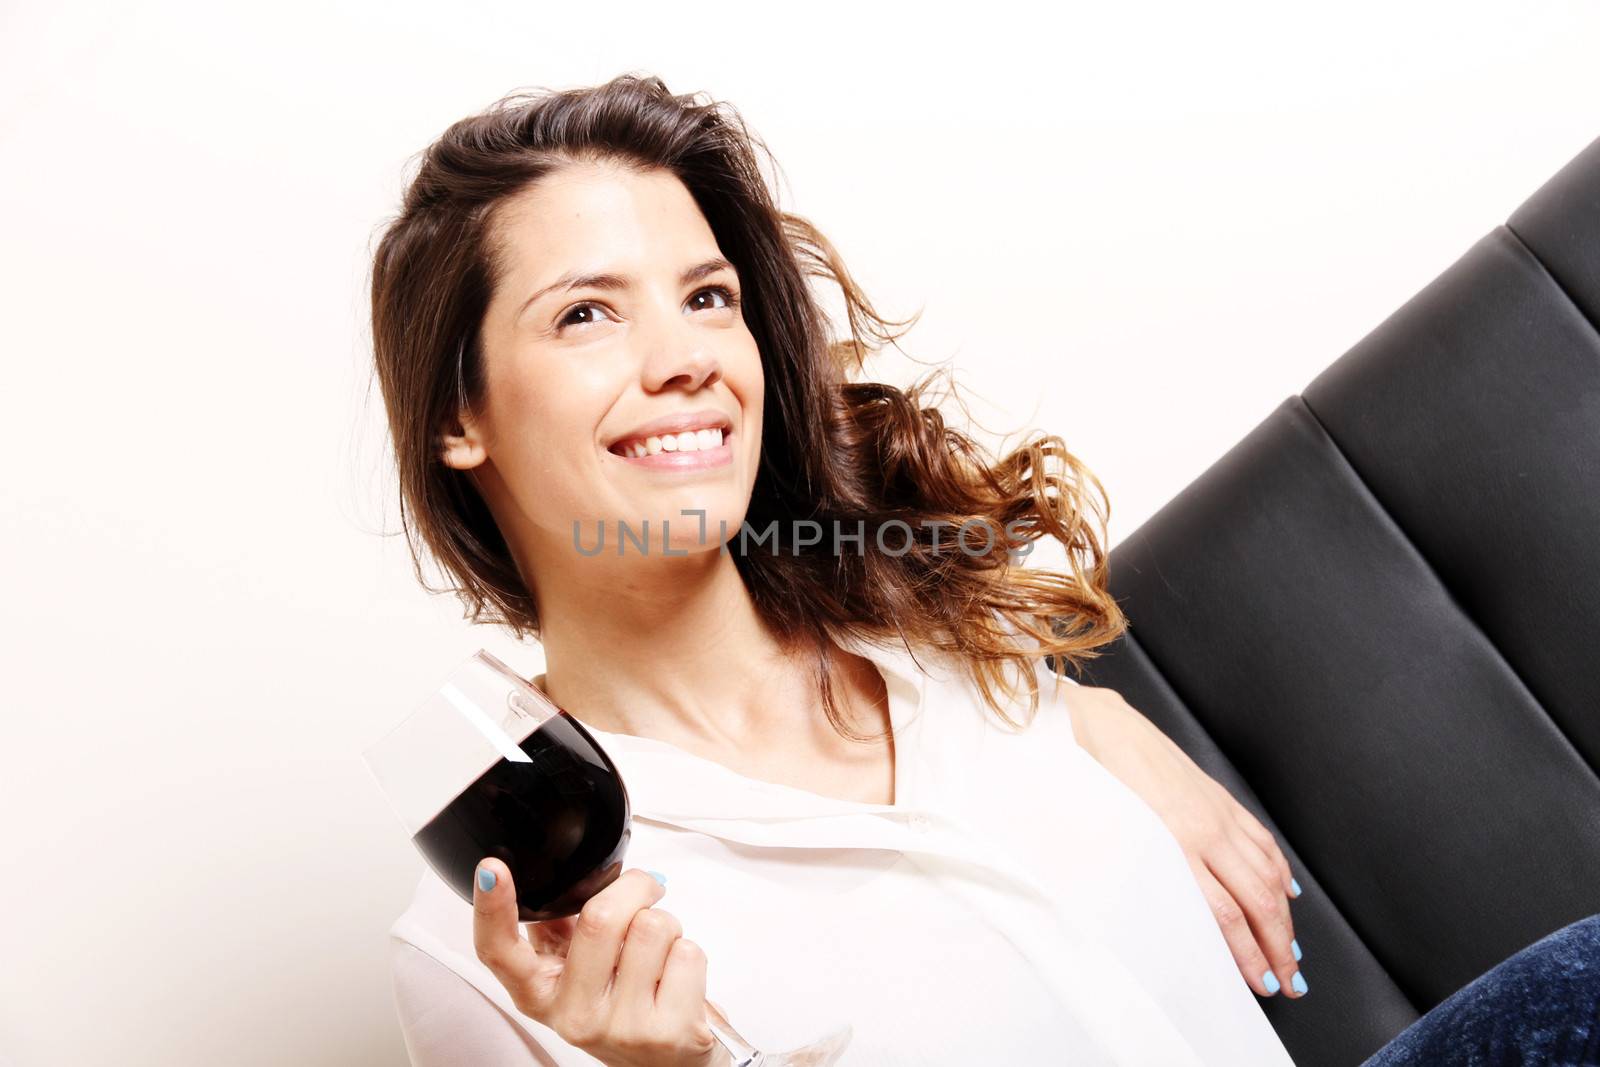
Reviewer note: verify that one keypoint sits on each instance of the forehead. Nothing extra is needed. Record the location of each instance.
(597, 216)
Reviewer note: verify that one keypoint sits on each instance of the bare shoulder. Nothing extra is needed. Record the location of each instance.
(1081, 704)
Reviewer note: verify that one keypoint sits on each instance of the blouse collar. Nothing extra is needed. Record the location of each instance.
(667, 783)
(936, 730)
(934, 735)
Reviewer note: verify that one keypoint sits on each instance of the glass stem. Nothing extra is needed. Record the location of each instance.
(744, 1054)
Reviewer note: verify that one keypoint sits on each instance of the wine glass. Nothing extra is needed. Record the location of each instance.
(488, 765)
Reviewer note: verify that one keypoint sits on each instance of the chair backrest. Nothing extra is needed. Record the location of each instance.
(1376, 620)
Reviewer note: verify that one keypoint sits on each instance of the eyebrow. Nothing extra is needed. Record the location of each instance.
(578, 280)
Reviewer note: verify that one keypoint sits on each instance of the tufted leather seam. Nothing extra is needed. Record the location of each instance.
(1455, 601)
(1555, 281)
(1339, 912)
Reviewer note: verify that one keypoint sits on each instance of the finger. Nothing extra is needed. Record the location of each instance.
(1280, 868)
(1268, 873)
(1269, 845)
(1265, 908)
(1267, 861)
(682, 993)
(1248, 843)
(597, 936)
(529, 977)
(1235, 926)
(644, 956)
(1250, 852)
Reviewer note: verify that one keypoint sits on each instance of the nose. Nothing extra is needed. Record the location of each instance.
(680, 357)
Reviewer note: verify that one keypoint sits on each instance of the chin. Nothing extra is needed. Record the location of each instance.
(695, 523)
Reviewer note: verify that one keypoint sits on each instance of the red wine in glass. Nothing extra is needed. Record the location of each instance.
(559, 821)
(490, 766)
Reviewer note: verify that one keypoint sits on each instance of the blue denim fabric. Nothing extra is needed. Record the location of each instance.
(1540, 1006)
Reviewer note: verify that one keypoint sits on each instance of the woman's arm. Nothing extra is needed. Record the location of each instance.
(447, 1023)
(1239, 867)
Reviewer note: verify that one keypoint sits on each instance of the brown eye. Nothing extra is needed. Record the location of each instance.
(729, 298)
(567, 319)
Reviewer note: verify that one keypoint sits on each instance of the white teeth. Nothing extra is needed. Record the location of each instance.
(687, 441)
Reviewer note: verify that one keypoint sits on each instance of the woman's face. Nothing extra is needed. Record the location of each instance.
(581, 372)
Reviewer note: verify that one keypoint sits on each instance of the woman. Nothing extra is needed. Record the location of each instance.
(789, 605)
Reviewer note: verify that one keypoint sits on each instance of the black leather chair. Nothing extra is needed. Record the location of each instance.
(1376, 620)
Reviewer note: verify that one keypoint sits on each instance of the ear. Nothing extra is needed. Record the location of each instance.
(461, 442)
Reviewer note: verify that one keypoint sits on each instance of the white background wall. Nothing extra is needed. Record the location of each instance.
(1141, 226)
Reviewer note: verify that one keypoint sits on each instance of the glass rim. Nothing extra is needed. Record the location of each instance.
(521, 687)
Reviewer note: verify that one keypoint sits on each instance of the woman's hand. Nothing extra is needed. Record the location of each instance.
(1241, 871)
(618, 980)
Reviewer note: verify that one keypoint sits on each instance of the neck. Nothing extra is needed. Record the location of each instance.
(671, 648)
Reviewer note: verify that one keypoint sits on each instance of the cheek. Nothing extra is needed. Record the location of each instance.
(557, 403)
(751, 386)
(546, 437)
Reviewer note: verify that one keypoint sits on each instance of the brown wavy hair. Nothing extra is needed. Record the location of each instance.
(833, 449)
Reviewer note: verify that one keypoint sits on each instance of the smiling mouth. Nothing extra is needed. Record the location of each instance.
(688, 442)
(717, 452)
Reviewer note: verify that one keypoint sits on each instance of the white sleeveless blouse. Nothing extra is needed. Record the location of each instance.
(1016, 904)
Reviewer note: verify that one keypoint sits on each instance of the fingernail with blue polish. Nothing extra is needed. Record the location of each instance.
(1270, 980)
(1294, 886)
(1295, 944)
(485, 879)
(658, 876)
(1298, 982)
